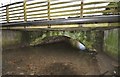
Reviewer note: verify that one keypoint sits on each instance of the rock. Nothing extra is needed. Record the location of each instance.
(18, 67)
(21, 73)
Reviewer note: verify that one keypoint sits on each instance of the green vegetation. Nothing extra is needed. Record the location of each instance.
(115, 6)
(82, 36)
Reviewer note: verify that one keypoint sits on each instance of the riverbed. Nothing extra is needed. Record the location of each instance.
(58, 58)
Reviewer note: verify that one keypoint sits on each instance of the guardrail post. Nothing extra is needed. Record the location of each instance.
(7, 13)
(81, 12)
(24, 7)
(49, 9)
(49, 12)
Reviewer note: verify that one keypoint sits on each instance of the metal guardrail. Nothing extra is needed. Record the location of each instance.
(84, 20)
(51, 9)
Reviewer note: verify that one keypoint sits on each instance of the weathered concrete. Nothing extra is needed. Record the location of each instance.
(11, 39)
(14, 39)
(0, 52)
(111, 42)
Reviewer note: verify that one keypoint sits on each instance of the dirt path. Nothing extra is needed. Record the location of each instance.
(52, 59)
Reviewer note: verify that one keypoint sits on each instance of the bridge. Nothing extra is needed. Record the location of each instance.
(58, 15)
(38, 33)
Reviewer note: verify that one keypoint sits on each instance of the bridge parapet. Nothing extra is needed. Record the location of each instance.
(31, 10)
